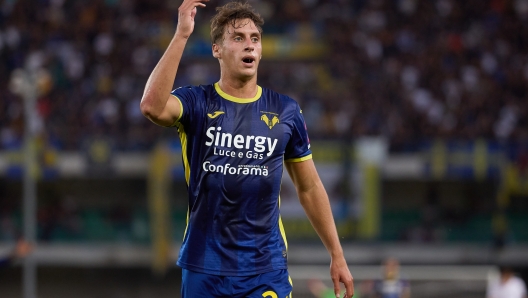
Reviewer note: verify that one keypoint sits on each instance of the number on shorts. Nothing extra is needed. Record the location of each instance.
(270, 294)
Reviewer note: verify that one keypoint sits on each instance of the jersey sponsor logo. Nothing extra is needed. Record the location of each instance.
(215, 114)
(228, 169)
(254, 146)
(269, 118)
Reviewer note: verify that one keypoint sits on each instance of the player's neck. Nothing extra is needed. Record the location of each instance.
(238, 88)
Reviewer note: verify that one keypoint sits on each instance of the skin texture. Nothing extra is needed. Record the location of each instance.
(240, 41)
(314, 199)
(239, 78)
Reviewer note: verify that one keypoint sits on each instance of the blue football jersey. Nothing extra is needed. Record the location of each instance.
(391, 288)
(233, 153)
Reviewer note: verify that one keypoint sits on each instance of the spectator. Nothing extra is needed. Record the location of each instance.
(507, 285)
(21, 250)
(416, 70)
(392, 285)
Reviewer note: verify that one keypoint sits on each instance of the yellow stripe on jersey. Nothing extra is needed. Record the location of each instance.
(283, 233)
(291, 283)
(281, 227)
(181, 111)
(237, 99)
(183, 140)
(186, 223)
(307, 157)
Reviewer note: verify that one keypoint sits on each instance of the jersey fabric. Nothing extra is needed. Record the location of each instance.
(271, 284)
(233, 152)
(391, 288)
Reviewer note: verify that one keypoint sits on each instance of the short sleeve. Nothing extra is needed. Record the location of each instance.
(298, 147)
(191, 102)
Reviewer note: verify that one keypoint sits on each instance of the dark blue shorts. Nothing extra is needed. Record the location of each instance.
(274, 284)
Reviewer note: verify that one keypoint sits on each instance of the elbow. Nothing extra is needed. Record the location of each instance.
(147, 109)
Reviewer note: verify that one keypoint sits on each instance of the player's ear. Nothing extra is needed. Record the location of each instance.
(216, 51)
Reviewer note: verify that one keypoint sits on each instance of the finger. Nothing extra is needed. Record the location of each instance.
(189, 5)
(199, 3)
(337, 289)
(188, 8)
(349, 289)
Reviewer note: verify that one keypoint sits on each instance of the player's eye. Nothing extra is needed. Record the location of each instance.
(255, 39)
(238, 38)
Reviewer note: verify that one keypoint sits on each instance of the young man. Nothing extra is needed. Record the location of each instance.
(235, 136)
(392, 285)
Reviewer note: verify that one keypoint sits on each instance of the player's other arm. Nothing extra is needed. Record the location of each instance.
(157, 104)
(314, 200)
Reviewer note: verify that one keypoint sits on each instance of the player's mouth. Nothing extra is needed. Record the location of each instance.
(248, 60)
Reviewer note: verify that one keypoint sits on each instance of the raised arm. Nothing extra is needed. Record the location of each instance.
(314, 200)
(157, 104)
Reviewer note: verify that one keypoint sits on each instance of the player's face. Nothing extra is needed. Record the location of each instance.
(392, 269)
(240, 50)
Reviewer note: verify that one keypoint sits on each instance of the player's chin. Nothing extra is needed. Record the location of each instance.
(248, 73)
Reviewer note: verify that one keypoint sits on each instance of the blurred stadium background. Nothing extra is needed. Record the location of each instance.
(417, 113)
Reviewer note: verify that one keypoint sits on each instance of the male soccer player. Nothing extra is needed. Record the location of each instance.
(235, 138)
(392, 285)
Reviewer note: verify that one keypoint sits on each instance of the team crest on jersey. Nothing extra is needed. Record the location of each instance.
(270, 118)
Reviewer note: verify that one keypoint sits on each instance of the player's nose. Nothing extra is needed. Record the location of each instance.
(249, 48)
(249, 45)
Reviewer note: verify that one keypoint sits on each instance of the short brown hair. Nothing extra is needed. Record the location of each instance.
(229, 14)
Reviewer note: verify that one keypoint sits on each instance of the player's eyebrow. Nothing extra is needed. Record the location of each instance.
(238, 32)
(252, 34)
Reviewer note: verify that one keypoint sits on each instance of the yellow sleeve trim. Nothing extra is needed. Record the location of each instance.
(181, 111)
(299, 159)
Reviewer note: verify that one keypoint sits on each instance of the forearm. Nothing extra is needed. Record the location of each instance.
(317, 207)
(315, 202)
(161, 80)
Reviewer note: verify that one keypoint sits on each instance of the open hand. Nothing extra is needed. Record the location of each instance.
(186, 14)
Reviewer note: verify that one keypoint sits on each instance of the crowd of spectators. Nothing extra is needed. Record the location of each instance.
(407, 70)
